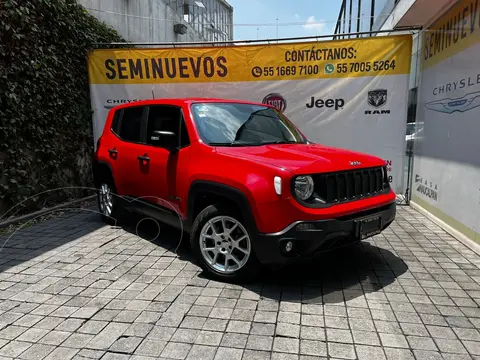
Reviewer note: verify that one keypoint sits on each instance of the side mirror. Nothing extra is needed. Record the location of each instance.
(165, 139)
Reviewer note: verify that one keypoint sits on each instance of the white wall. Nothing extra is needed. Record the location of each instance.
(146, 22)
(446, 173)
(396, 15)
(415, 13)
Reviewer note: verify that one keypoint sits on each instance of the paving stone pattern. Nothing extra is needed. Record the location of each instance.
(74, 288)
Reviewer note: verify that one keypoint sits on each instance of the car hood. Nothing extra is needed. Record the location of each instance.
(303, 158)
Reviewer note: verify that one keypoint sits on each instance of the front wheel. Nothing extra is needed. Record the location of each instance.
(223, 245)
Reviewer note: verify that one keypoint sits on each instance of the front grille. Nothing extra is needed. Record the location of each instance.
(343, 186)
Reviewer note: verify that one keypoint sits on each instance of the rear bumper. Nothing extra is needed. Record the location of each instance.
(311, 238)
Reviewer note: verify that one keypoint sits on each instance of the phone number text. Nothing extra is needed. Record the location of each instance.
(288, 70)
(366, 66)
(352, 67)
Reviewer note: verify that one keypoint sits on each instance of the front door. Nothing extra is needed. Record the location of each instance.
(166, 170)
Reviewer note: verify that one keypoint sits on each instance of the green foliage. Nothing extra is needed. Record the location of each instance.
(45, 112)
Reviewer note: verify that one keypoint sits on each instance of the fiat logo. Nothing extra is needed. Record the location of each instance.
(276, 100)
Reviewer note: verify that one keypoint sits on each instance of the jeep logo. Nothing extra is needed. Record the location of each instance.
(276, 100)
(329, 103)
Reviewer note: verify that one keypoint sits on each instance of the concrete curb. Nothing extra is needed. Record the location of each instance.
(472, 245)
(43, 211)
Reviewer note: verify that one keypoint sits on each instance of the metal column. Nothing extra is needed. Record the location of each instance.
(350, 19)
(359, 13)
(372, 14)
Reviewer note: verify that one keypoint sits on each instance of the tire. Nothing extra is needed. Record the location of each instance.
(239, 268)
(114, 216)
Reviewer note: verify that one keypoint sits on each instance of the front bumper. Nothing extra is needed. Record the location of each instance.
(311, 238)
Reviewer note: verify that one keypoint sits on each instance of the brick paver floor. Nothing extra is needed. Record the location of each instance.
(72, 287)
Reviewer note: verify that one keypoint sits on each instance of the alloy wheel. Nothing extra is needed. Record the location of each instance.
(225, 244)
(106, 200)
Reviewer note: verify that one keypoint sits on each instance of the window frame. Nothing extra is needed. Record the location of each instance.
(280, 114)
(143, 130)
(181, 119)
(117, 122)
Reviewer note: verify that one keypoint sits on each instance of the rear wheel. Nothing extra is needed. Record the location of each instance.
(108, 203)
(223, 244)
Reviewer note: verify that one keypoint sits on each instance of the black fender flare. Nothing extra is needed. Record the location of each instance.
(96, 165)
(231, 193)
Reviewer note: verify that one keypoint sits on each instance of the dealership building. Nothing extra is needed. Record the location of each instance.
(444, 100)
(166, 20)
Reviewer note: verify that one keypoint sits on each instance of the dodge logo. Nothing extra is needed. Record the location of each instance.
(377, 98)
(276, 100)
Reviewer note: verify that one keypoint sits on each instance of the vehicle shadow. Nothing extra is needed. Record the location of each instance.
(343, 275)
(33, 242)
(168, 238)
(334, 277)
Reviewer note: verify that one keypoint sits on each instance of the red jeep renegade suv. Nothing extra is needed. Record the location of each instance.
(240, 179)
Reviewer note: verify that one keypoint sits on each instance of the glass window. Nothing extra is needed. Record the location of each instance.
(243, 124)
(410, 128)
(184, 138)
(167, 118)
(116, 121)
(131, 126)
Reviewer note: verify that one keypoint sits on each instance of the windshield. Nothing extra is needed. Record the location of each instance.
(237, 124)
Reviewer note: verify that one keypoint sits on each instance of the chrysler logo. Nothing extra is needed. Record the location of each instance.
(355, 163)
(111, 103)
(377, 98)
(461, 104)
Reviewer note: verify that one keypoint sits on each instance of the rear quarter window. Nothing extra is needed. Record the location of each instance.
(131, 124)
(116, 121)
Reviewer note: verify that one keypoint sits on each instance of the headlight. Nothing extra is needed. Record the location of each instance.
(303, 187)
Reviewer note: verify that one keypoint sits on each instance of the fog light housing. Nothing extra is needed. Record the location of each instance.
(288, 246)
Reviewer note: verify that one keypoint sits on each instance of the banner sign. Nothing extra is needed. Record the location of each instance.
(446, 174)
(456, 30)
(348, 93)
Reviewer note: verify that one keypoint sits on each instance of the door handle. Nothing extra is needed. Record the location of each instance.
(143, 158)
(113, 152)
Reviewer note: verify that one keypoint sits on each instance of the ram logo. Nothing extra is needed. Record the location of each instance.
(377, 98)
